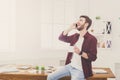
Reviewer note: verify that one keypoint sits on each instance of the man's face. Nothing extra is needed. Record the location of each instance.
(81, 24)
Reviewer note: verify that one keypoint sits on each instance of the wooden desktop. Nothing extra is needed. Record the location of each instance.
(101, 76)
(25, 75)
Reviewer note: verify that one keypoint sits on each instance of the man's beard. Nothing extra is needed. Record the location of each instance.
(81, 27)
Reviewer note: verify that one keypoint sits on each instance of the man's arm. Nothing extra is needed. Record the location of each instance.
(92, 53)
(77, 51)
(64, 36)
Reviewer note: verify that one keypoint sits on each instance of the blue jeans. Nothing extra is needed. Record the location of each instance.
(68, 70)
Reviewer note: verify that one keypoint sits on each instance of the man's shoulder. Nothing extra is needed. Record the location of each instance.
(91, 36)
(75, 34)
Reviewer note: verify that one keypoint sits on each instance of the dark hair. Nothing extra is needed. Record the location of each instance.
(87, 20)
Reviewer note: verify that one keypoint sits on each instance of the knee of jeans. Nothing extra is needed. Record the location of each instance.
(49, 77)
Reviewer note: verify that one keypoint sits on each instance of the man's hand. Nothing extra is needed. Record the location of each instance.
(69, 29)
(76, 50)
(84, 55)
(73, 26)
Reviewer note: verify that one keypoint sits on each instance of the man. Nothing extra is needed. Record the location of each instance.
(78, 64)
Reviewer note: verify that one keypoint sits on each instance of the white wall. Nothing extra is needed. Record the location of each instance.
(7, 29)
(27, 25)
(57, 15)
(108, 10)
(30, 28)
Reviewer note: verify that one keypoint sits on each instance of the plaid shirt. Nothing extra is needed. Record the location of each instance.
(89, 46)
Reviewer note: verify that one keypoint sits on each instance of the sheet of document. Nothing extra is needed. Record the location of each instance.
(99, 71)
(8, 69)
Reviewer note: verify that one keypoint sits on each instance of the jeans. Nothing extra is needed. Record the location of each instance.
(68, 70)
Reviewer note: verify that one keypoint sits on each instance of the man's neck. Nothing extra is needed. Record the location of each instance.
(82, 33)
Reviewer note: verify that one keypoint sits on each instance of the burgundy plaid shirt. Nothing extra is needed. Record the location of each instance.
(89, 46)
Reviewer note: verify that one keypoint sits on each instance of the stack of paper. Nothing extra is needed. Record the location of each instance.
(5, 70)
(24, 67)
(99, 71)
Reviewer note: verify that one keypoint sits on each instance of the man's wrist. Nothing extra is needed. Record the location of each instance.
(80, 53)
(65, 32)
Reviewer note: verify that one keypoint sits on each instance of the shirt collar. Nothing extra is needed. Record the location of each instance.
(86, 35)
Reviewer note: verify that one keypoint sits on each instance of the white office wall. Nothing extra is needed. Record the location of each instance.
(57, 15)
(108, 10)
(32, 25)
(7, 29)
(5, 25)
(27, 25)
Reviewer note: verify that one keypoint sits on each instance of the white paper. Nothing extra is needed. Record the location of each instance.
(24, 67)
(11, 69)
(99, 71)
(71, 49)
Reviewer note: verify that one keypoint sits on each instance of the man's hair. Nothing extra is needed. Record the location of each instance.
(87, 20)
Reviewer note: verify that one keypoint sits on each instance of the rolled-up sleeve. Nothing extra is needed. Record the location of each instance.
(66, 38)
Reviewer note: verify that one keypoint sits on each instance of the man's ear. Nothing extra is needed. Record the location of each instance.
(86, 24)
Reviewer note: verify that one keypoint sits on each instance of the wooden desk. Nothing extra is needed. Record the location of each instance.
(29, 76)
(109, 74)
